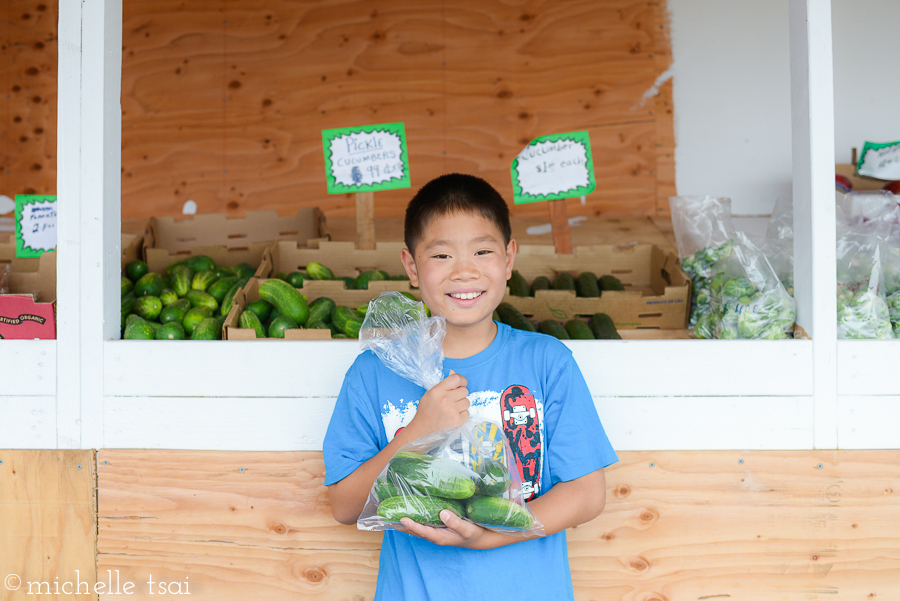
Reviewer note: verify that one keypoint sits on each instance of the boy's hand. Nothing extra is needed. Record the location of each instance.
(458, 532)
(444, 406)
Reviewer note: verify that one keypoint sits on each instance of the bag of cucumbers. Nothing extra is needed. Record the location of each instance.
(468, 470)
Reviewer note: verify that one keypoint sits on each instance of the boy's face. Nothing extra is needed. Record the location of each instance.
(461, 265)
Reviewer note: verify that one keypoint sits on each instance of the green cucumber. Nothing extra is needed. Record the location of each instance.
(551, 327)
(288, 300)
(384, 489)
(222, 272)
(578, 330)
(193, 318)
(296, 279)
(170, 331)
(517, 284)
(203, 279)
(317, 271)
(541, 282)
(610, 282)
(514, 318)
(250, 321)
(220, 288)
(174, 313)
(436, 477)
(603, 327)
(128, 303)
(321, 309)
(493, 478)
(136, 269)
(279, 325)
(181, 277)
(200, 263)
(424, 510)
(243, 270)
(208, 329)
(127, 286)
(148, 307)
(586, 285)
(498, 511)
(262, 309)
(168, 296)
(150, 284)
(369, 275)
(317, 325)
(563, 281)
(199, 298)
(139, 329)
(347, 321)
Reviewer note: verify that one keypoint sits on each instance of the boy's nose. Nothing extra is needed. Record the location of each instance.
(464, 268)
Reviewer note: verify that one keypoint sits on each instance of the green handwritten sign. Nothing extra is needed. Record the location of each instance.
(35, 225)
(553, 167)
(366, 159)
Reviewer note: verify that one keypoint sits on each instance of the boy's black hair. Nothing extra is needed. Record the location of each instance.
(454, 193)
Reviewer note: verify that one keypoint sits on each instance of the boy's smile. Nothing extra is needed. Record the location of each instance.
(461, 265)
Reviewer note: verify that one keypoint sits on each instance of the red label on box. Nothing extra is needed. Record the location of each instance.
(23, 319)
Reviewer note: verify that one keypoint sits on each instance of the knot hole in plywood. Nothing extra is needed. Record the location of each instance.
(622, 491)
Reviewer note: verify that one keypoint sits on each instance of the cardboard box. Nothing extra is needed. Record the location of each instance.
(657, 292)
(312, 289)
(29, 310)
(227, 241)
(343, 258)
(131, 248)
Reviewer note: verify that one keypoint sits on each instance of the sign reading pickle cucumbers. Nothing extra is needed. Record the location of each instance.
(553, 168)
(366, 159)
(35, 225)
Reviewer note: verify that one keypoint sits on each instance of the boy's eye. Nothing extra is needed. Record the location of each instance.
(440, 256)
(484, 252)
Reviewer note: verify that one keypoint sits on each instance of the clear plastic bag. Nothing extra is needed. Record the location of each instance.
(468, 470)
(4, 279)
(703, 233)
(862, 306)
(748, 299)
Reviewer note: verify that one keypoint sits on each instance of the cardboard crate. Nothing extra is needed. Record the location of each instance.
(22, 316)
(312, 289)
(657, 292)
(227, 241)
(343, 258)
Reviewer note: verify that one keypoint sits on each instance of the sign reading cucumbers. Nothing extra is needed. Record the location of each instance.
(35, 225)
(553, 168)
(366, 159)
(881, 161)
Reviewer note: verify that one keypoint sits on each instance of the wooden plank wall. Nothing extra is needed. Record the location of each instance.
(48, 523)
(223, 101)
(679, 526)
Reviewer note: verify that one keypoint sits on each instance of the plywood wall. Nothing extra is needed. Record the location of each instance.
(28, 59)
(679, 526)
(224, 101)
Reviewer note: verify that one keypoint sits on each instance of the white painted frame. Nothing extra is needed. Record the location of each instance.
(88, 390)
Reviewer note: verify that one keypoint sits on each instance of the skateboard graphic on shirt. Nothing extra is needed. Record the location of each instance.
(522, 428)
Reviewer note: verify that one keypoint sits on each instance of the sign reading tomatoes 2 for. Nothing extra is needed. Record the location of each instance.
(366, 159)
(35, 225)
(553, 168)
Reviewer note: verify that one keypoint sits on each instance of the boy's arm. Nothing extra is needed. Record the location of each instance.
(565, 505)
(444, 406)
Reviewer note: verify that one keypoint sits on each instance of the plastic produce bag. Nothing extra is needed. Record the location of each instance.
(703, 233)
(748, 299)
(467, 469)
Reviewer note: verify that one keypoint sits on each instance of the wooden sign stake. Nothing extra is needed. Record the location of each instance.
(365, 220)
(559, 222)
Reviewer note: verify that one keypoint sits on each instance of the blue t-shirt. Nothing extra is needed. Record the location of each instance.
(531, 384)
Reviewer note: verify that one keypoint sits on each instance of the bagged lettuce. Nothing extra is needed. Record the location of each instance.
(468, 470)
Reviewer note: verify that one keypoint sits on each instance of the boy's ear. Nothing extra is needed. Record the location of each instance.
(409, 264)
(511, 250)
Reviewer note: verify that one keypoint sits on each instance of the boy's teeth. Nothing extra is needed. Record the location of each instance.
(466, 295)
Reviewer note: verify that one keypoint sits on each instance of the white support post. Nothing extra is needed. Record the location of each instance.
(101, 202)
(812, 107)
(68, 190)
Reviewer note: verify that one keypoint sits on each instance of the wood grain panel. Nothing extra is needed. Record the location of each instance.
(28, 69)
(678, 526)
(224, 102)
(48, 528)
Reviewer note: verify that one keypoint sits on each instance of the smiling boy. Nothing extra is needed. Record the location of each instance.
(460, 253)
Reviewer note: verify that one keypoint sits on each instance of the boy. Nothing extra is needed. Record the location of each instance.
(460, 253)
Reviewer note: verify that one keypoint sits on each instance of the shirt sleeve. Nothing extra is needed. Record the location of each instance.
(353, 435)
(576, 441)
